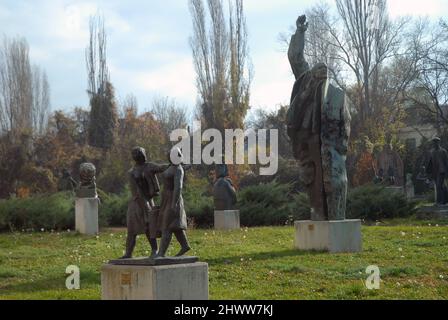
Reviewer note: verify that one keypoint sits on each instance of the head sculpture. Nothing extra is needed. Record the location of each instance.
(320, 71)
(139, 155)
(436, 142)
(224, 193)
(87, 187)
(87, 173)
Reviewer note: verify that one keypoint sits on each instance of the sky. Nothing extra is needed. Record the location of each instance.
(148, 45)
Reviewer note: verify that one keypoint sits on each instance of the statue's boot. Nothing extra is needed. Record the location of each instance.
(164, 243)
(130, 245)
(181, 236)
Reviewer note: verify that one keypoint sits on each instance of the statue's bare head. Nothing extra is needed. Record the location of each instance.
(222, 171)
(139, 155)
(436, 142)
(320, 71)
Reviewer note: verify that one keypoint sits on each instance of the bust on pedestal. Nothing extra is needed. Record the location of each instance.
(224, 194)
(86, 207)
(318, 124)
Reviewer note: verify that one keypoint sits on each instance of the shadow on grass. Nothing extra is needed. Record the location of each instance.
(261, 256)
(51, 283)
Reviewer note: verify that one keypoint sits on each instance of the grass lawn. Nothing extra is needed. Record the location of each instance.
(254, 263)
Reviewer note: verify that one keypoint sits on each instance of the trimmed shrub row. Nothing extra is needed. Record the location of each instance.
(260, 205)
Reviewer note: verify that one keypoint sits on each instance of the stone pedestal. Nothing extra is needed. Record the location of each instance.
(188, 281)
(332, 236)
(227, 219)
(396, 189)
(86, 216)
(433, 212)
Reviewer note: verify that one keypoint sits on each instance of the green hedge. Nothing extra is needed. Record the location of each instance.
(113, 208)
(56, 211)
(270, 204)
(266, 204)
(375, 202)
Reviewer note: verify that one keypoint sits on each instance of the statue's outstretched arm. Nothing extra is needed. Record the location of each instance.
(297, 47)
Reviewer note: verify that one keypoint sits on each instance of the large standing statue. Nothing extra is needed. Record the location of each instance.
(142, 214)
(319, 128)
(437, 168)
(172, 211)
(224, 193)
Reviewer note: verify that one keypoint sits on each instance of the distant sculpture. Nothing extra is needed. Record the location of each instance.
(410, 189)
(142, 215)
(224, 193)
(66, 182)
(365, 165)
(319, 129)
(390, 167)
(172, 211)
(87, 186)
(437, 168)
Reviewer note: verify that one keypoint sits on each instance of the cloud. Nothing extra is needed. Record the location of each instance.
(258, 6)
(148, 50)
(272, 81)
(175, 80)
(434, 8)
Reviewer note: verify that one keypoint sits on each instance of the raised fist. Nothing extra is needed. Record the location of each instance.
(301, 23)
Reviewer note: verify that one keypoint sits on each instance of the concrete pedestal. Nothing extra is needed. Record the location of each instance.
(395, 189)
(167, 282)
(332, 236)
(86, 216)
(227, 219)
(433, 212)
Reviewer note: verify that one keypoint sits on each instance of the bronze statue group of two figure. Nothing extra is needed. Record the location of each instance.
(144, 217)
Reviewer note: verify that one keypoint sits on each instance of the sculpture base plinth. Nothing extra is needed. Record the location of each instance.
(433, 212)
(162, 261)
(187, 281)
(227, 219)
(332, 236)
(86, 216)
(396, 189)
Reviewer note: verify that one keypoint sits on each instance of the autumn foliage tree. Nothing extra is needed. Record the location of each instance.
(103, 114)
(221, 59)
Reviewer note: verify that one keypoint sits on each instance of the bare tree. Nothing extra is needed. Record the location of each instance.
(169, 114)
(129, 103)
(41, 101)
(355, 43)
(319, 41)
(369, 39)
(24, 91)
(429, 42)
(96, 57)
(220, 55)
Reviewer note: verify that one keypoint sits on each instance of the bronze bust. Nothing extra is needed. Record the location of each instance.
(224, 193)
